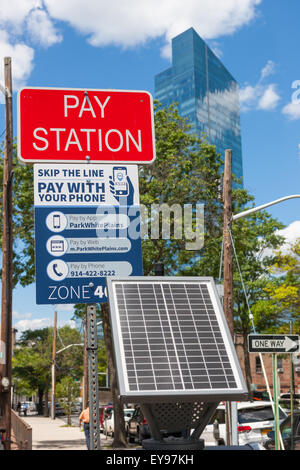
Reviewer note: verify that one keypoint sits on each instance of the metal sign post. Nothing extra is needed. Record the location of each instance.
(92, 348)
(276, 403)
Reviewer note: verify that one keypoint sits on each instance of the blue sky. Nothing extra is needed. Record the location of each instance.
(91, 44)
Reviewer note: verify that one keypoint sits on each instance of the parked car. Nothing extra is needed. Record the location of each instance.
(59, 411)
(137, 427)
(77, 408)
(255, 420)
(104, 413)
(109, 426)
(285, 401)
(30, 406)
(260, 395)
(286, 433)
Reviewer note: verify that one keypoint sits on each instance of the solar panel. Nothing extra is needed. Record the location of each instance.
(171, 340)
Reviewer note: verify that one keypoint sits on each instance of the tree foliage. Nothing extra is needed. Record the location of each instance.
(23, 220)
(33, 359)
(282, 289)
(67, 393)
(186, 172)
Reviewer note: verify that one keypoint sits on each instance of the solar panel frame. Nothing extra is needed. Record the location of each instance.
(238, 392)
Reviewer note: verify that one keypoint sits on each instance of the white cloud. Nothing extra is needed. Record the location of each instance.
(41, 28)
(35, 324)
(17, 315)
(26, 322)
(132, 23)
(66, 307)
(70, 323)
(248, 95)
(14, 12)
(267, 70)
(22, 58)
(121, 22)
(269, 99)
(260, 96)
(292, 110)
(291, 234)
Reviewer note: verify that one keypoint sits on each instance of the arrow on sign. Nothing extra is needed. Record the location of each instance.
(290, 345)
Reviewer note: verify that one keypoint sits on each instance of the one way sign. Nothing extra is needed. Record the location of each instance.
(273, 343)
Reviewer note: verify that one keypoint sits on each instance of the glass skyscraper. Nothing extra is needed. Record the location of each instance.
(206, 93)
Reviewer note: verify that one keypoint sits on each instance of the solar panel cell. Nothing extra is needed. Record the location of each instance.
(171, 338)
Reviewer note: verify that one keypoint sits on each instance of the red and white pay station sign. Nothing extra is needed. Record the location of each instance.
(77, 125)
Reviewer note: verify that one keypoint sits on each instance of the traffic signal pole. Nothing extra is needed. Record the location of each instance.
(6, 303)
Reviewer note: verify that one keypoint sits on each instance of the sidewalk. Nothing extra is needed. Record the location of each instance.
(52, 434)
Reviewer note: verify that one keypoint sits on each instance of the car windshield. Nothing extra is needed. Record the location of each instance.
(129, 412)
(264, 413)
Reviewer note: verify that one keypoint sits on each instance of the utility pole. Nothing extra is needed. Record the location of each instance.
(6, 304)
(228, 268)
(53, 368)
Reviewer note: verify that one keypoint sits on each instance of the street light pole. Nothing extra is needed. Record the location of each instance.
(264, 206)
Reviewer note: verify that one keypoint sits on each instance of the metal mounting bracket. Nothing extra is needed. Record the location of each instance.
(5, 91)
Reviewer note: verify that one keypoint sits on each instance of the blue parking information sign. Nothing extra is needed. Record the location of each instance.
(87, 228)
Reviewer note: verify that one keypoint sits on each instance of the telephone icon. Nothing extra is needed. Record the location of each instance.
(56, 271)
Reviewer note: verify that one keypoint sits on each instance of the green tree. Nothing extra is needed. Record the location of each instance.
(186, 172)
(67, 392)
(281, 293)
(33, 359)
(23, 220)
(252, 236)
(32, 362)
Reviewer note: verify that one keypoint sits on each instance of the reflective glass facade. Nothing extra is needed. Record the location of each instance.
(206, 94)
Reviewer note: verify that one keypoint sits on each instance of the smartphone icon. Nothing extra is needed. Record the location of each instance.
(120, 180)
(56, 221)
